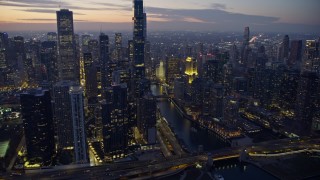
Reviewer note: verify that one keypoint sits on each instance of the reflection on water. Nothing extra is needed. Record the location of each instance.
(191, 135)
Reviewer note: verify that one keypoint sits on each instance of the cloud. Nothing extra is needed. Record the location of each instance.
(14, 5)
(195, 20)
(209, 16)
(111, 5)
(49, 19)
(49, 11)
(219, 6)
(173, 18)
(218, 20)
(37, 19)
(31, 3)
(51, 4)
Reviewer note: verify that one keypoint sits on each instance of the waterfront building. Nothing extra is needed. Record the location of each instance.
(146, 118)
(172, 70)
(191, 69)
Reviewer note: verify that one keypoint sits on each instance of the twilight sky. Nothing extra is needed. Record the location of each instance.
(202, 15)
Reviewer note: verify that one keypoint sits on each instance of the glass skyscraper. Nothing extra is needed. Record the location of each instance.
(79, 132)
(68, 64)
(139, 39)
(115, 121)
(104, 60)
(36, 110)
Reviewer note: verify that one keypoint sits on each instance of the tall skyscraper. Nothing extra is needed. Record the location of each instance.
(115, 121)
(146, 120)
(62, 114)
(3, 61)
(36, 111)
(245, 46)
(196, 91)
(312, 49)
(87, 60)
(148, 60)
(69, 119)
(118, 43)
(295, 57)
(104, 60)
(234, 55)
(180, 84)
(48, 60)
(311, 55)
(145, 26)
(138, 40)
(91, 80)
(4, 39)
(32, 63)
(79, 131)
(228, 77)
(68, 64)
(246, 36)
(285, 48)
(19, 52)
(93, 48)
(130, 51)
(172, 70)
(213, 69)
(19, 61)
(288, 90)
(308, 102)
(3, 50)
(92, 83)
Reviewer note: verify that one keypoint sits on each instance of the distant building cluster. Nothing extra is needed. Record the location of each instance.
(252, 84)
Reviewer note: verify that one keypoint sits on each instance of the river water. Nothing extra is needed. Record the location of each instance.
(193, 137)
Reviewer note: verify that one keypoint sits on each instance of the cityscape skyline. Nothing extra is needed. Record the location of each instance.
(183, 101)
(271, 16)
